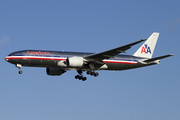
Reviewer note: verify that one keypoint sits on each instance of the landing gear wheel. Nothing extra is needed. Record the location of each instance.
(77, 76)
(84, 79)
(80, 77)
(96, 74)
(92, 73)
(88, 72)
(20, 72)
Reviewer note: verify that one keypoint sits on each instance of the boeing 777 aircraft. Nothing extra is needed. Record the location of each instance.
(58, 62)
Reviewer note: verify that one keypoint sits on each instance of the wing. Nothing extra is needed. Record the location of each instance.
(111, 53)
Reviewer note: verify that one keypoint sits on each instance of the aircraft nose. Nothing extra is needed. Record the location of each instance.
(6, 59)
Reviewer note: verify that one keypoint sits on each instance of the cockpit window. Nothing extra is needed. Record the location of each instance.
(11, 54)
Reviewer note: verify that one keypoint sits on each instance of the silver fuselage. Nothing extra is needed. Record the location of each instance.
(41, 58)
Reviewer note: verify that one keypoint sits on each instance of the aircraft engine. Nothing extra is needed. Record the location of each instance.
(54, 71)
(74, 62)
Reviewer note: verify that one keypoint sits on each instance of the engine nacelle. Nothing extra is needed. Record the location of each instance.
(74, 62)
(54, 71)
(62, 63)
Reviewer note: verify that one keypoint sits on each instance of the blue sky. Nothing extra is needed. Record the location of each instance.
(90, 26)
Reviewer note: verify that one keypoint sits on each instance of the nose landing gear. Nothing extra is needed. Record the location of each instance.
(19, 67)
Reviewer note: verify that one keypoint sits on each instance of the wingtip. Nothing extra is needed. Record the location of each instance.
(155, 32)
(143, 39)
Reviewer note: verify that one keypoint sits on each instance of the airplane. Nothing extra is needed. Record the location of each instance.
(58, 62)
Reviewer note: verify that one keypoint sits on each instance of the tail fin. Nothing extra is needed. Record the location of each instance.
(147, 49)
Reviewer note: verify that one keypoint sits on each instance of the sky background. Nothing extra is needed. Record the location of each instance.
(149, 93)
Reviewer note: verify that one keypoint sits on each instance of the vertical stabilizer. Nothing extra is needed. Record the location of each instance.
(147, 49)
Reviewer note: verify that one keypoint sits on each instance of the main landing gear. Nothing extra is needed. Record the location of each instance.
(19, 67)
(92, 73)
(80, 76)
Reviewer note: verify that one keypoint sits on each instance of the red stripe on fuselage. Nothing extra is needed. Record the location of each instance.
(35, 58)
(51, 58)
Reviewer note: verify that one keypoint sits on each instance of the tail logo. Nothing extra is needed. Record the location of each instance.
(146, 49)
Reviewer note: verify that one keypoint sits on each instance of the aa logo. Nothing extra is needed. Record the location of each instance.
(145, 49)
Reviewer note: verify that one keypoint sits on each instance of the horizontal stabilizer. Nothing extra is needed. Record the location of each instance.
(157, 58)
